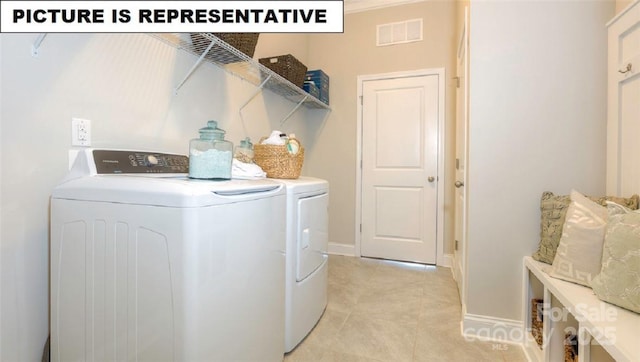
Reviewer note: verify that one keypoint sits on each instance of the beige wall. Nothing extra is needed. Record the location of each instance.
(346, 56)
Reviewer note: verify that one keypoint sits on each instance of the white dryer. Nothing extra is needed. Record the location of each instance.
(306, 254)
(148, 265)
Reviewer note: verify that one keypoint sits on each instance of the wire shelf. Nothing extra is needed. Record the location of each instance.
(212, 49)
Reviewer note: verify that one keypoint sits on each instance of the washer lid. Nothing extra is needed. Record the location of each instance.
(131, 177)
(171, 191)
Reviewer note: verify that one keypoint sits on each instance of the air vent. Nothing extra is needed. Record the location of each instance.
(399, 33)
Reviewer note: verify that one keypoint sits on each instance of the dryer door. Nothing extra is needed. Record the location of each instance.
(312, 234)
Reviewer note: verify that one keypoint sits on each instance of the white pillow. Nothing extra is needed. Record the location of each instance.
(579, 255)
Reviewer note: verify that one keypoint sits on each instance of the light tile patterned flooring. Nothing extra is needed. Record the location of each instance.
(387, 311)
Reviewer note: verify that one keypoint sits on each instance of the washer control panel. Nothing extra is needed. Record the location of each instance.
(116, 162)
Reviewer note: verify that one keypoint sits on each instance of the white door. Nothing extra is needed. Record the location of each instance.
(400, 168)
(461, 159)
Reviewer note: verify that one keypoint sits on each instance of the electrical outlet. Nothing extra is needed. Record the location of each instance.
(80, 132)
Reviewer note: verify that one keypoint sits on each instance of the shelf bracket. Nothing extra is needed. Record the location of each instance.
(35, 47)
(294, 110)
(253, 95)
(193, 68)
(256, 92)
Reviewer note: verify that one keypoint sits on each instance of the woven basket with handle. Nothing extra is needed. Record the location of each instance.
(276, 160)
(288, 67)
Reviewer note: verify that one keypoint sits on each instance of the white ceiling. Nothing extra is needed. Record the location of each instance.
(355, 6)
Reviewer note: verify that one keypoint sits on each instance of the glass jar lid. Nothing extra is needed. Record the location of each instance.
(246, 143)
(211, 131)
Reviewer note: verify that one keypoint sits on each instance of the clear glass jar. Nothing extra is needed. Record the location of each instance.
(244, 151)
(210, 156)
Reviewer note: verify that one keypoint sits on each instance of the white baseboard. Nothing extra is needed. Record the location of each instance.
(342, 249)
(492, 329)
(445, 260)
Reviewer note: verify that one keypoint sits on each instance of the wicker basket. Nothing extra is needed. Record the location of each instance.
(570, 347)
(244, 42)
(537, 320)
(277, 162)
(288, 67)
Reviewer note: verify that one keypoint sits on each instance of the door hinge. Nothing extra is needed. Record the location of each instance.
(361, 164)
(456, 245)
(360, 228)
(361, 101)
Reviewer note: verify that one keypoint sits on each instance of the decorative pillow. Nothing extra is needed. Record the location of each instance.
(579, 255)
(619, 279)
(553, 209)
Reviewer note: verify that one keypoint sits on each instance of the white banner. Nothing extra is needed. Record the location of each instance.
(171, 16)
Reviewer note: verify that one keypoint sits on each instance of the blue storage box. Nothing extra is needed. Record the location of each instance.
(321, 80)
(318, 76)
(310, 87)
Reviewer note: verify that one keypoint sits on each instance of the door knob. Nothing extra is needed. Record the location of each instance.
(459, 184)
(431, 179)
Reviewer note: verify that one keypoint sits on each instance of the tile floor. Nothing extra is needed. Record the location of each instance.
(386, 311)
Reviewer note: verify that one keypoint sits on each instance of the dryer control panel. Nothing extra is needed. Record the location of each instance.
(118, 162)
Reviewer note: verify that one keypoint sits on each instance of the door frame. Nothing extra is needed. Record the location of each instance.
(460, 275)
(441, 259)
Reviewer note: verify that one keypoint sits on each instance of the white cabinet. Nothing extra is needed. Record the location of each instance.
(605, 332)
(623, 111)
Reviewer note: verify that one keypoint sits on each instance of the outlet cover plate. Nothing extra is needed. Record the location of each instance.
(80, 132)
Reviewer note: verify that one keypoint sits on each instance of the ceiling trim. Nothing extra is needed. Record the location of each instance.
(356, 6)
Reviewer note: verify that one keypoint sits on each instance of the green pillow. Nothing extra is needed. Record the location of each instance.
(619, 279)
(553, 209)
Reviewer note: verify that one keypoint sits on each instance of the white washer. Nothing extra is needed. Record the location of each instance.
(306, 254)
(152, 266)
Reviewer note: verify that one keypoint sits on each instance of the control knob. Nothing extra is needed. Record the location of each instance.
(151, 160)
